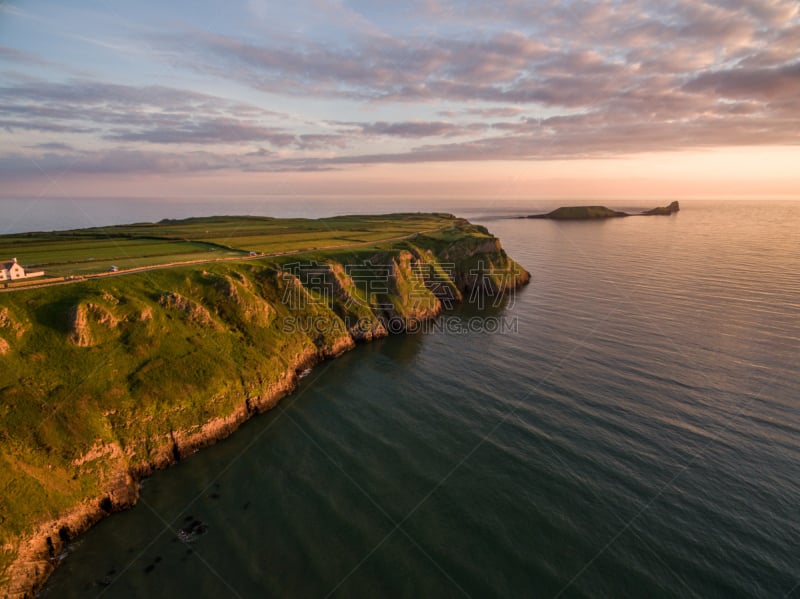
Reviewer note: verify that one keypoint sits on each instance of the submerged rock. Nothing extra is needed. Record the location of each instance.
(192, 532)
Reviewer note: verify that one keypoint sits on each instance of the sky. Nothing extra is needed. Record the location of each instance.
(415, 98)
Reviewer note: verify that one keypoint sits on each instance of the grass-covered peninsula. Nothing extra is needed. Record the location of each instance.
(104, 380)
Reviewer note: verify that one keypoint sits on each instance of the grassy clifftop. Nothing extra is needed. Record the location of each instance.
(91, 251)
(105, 380)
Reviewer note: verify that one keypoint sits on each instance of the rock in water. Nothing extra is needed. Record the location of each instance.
(671, 209)
(580, 213)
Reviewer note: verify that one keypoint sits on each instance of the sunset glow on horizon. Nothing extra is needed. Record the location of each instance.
(426, 98)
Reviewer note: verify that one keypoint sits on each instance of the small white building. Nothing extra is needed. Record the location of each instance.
(12, 271)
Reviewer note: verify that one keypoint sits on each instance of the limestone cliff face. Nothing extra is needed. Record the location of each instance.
(180, 358)
(86, 320)
(11, 330)
(194, 312)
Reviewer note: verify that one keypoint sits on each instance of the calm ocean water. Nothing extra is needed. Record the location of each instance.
(637, 436)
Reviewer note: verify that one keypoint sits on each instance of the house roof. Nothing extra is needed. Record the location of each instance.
(7, 264)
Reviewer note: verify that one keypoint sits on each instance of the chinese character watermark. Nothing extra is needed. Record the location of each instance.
(368, 285)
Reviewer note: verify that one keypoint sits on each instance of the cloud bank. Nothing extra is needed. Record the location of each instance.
(501, 80)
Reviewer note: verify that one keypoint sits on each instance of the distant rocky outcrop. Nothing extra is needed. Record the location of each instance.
(580, 213)
(598, 212)
(666, 210)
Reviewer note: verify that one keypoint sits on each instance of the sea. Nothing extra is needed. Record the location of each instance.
(628, 426)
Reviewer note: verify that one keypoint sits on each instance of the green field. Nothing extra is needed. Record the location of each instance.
(95, 250)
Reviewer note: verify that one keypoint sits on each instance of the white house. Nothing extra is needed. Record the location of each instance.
(12, 270)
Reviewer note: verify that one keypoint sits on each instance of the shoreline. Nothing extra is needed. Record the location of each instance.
(41, 552)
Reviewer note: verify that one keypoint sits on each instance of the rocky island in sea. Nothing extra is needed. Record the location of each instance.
(110, 375)
(598, 212)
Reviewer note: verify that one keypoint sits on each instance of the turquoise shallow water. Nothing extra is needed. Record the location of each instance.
(637, 435)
